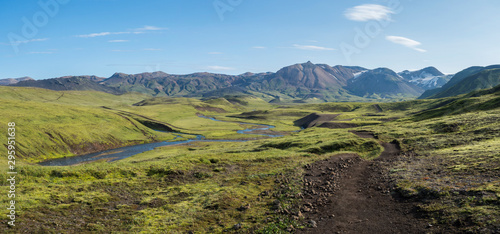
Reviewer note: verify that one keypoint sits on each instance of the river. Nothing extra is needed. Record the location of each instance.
(129, 151)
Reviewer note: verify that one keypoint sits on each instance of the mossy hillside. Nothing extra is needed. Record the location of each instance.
(453, 162)
(78, 98)
(197, 187)
(185, 116)
(45, 130)
(206, 186)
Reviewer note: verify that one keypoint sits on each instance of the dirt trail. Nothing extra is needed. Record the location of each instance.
(346, 194)
(377, 108)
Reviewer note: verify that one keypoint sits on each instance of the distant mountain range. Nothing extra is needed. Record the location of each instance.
(466, 81)
(69, 83)
(297, 82)
(427, 78)
(10, 81)
(383, 82)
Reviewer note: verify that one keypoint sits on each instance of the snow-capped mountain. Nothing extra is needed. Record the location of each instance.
(427, 78)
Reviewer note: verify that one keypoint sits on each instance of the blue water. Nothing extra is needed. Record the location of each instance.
(129, 151)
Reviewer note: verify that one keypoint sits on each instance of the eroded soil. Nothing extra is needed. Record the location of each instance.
(346, 194)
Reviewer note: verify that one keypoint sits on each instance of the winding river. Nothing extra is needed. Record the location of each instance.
(129, 151)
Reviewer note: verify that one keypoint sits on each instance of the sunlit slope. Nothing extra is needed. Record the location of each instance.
(54, 124)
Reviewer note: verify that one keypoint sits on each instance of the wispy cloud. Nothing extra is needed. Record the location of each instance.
(311, 47)
(99, 34)
(219, 68)
(26, 41)
(368, 12)
(259, 47)
(412, 44)
(150, 28)
(215, 52)
(133, 31)
(118, 41)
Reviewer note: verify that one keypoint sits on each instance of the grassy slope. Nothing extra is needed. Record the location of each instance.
(199, 187)
(483, 80)
(54, 124)
(453, 162)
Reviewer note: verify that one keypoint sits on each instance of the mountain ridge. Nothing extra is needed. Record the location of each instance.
(456, 83)
(301, 81)
(10, 81)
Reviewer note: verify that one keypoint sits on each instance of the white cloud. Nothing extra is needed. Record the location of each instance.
(118, 41)
(150, 28)
(33, 40)
(134, 31)
(412, 44)
(101, 34)
(311, 47)
(259, 47)
(420, 50)
(97, 34)
(219, 68)
(26, 41)
(368, 12)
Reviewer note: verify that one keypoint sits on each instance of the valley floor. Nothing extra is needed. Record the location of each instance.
(422, 166)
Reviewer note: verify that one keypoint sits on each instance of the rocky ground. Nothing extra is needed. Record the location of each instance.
(346, 194)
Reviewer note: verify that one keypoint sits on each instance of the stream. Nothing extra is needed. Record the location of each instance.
(129, 151)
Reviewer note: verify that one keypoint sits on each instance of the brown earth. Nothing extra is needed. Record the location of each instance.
(346, 194)
(377, 108)
(335, 125)
(314, 119)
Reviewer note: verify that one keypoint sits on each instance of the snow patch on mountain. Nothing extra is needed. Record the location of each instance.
(427, 78)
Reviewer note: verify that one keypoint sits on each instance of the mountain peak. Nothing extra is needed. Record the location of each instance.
(10, 81)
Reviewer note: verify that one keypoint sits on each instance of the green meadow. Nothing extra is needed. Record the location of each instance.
(450, 161)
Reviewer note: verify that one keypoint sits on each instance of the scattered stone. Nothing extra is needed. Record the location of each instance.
(312, 224)
(276, 205)
(243, 208)
(237, 226)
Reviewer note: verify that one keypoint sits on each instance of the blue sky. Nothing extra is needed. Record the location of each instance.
(101, 37)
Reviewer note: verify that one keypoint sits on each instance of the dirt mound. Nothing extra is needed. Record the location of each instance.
(363, 134)
(377, 108)
(334, 125)
(314, 119)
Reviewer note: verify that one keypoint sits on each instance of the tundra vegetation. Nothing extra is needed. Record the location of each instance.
(450, 161)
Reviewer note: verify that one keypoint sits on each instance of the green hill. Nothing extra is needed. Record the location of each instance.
(456, 80)
(53, 124)
(482, 80)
